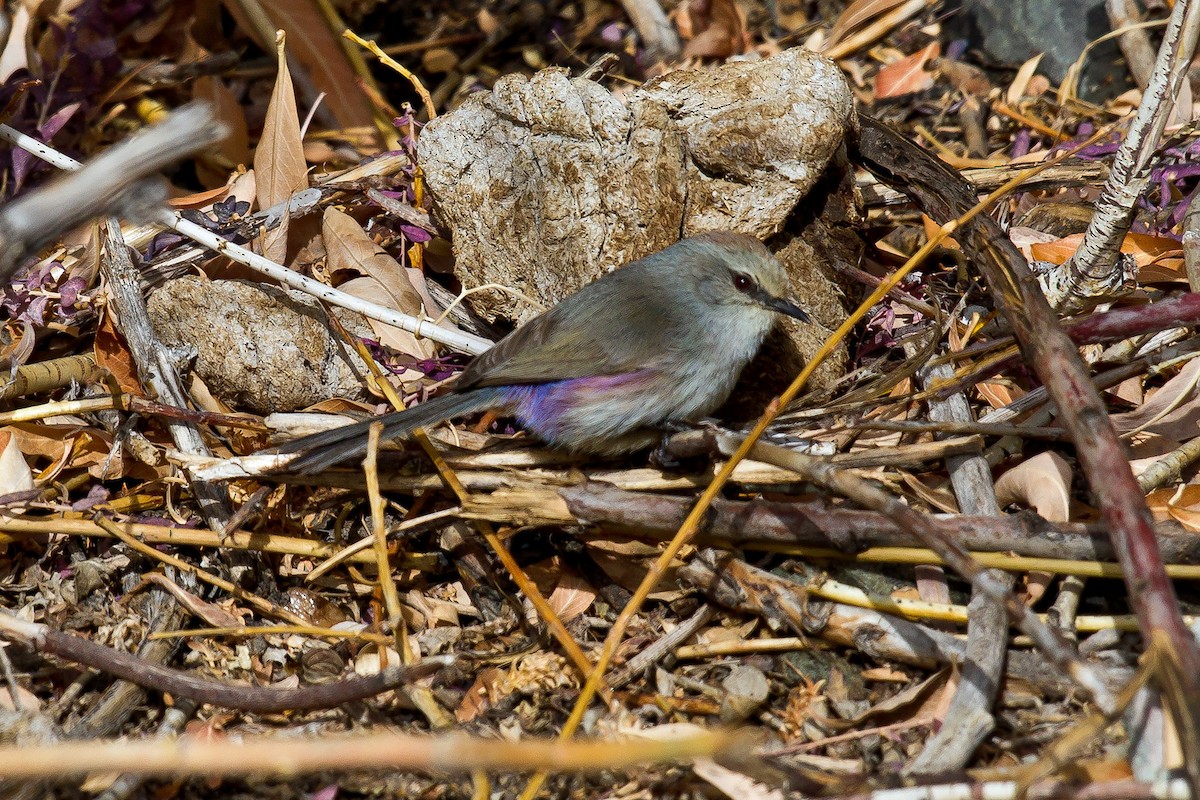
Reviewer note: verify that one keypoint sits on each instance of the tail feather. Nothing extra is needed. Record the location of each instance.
(322, 450)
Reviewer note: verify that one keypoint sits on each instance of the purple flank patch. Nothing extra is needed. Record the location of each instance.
(540, 406)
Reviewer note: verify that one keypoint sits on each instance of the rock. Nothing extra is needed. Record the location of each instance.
(258, 347)
(758, 134)
(546, 182)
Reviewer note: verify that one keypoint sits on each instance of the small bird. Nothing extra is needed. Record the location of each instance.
(658, 342)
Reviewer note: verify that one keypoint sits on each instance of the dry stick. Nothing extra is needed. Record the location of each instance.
(664, 645)
(1063, 175)
(662, 43)
(968, 720)
(1177, 312)
(943, 195)
(391, 598)
(387, 60)
(13, 530)
(155, 367)
(273, 755)
(773, 525)
(45, 376)
(1097, 269)
(1134, 41)
(1057, 649)
(690, 525)
(1191, 242)
(261, 699)
(734, 584)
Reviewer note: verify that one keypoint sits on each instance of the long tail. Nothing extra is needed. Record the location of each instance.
(322, 450)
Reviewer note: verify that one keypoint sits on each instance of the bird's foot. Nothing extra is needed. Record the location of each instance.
(683, 441)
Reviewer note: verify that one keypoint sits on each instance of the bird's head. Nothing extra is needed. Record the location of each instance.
(736, 270)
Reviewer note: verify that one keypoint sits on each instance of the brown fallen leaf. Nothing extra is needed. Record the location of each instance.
(712, 28)
(381, 280)
(1042, 483)
(856, 15)
(279, 160)
(1172, 412)
(15, 475)
(907, 75)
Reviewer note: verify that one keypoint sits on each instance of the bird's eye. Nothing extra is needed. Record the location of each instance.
(742, 283)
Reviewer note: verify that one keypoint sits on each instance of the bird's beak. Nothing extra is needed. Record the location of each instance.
(785, 306)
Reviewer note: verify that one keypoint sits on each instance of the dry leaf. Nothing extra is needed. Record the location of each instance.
(907, 75)
(1145, 249)
(75, 447)
(200, 199)
(886, 675)
(717, 27)
(734, 785)
(383, 280)
(279, 160)
(858, 14)
(373, 658)
(15, 475)
(234, 149)
(1019, 86)
(997, 394)
(571, 597)
(480, 697)
(966, 78)
(1181, 504)
(1042, 483)
(113, 355)
(487, 22)
(1129, 390)
(1171, 412)
(16, 54)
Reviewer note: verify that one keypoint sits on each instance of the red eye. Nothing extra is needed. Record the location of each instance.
(742, 282)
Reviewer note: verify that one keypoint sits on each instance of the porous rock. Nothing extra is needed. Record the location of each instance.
(547, 181)
(758, 133)
(258, 347)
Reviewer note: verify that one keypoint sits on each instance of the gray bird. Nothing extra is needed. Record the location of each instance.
(658, 342)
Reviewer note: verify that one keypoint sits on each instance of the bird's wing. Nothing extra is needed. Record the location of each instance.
(585, 335)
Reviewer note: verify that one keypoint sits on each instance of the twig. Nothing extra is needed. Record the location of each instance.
(1053, 646)
(114, 180)
(387, 585)
(458, 340)
(1191, 242)
(1124, 15)
(663, 646)
(1097, 270)
(156, 369)
(288, 758)
(262, 699)
(657, 32)
(968, 720)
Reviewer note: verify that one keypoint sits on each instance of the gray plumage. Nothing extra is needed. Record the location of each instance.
(659, 341)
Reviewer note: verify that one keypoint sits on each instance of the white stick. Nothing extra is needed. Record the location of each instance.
(456, 339)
